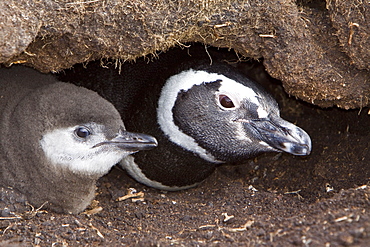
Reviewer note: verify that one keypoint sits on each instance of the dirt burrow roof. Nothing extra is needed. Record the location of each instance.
(320, 51)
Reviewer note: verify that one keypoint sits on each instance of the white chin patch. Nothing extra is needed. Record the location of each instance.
(62, 149)
(134, 170)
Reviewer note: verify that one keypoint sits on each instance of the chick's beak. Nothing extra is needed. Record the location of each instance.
(134, 141)
(281, 135)
(131, 141)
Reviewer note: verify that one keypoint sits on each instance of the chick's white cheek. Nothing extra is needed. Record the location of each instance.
(62, 148)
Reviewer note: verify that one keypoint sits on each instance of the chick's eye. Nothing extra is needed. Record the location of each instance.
(82, 132)
(225, 101)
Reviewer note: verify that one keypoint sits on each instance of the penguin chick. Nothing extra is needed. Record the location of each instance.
(202, 115)
(57, 139)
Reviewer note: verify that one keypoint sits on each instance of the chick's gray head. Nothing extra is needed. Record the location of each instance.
(78, 130)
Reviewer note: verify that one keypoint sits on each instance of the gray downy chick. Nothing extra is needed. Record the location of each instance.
(57, 139)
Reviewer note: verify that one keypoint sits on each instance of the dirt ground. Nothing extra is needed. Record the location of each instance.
(272, 200)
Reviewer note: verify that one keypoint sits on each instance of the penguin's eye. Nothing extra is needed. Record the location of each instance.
(225, 101)
(82, 132)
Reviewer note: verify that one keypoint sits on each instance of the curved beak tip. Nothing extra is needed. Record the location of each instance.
(138, 141)
(147, 143)
(297, 148)
(282, 135)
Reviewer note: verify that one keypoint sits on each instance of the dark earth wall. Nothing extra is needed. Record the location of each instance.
(319, 50)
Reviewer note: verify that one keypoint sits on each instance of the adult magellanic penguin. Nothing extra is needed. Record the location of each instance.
(203, 112)
(57, 139)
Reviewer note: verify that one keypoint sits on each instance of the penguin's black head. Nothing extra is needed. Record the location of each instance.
(223, 119)
(77, 129)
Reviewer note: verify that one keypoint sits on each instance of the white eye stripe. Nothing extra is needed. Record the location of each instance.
(182, 81)
(237, 92)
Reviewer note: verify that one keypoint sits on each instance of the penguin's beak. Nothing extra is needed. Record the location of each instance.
(281, 135)
(131, 141)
